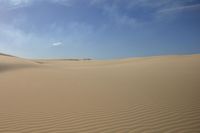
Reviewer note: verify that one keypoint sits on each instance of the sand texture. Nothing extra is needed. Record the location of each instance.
(140, 95)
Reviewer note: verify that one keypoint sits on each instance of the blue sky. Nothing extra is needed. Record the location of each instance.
(100, 29)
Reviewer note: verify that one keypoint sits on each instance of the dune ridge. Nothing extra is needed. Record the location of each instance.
(151, 94)
(9, 62)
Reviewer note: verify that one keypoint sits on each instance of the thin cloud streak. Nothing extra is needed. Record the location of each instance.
(181, 8)
(56, 44)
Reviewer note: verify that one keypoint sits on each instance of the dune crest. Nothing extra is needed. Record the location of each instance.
(151, 94)
(9, 62)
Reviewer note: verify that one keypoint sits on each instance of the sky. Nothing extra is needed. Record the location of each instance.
(99, 29)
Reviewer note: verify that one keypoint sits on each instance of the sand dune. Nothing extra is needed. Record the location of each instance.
(8, 62)
(152, 95)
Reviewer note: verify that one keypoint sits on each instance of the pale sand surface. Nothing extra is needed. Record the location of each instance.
(151, 95)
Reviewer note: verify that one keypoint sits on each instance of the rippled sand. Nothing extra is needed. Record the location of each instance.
(152, 95)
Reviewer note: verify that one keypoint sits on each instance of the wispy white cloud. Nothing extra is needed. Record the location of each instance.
(119, 11)
(13, 4)
(66, 3)
(181, 8)
(19, 2)
(13, 38)
(9, 5)
(118, 18)
(55, 44)
(171, 13)
(10, 35)
(114, 13)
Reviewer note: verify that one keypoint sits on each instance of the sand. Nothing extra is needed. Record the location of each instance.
(151, 94)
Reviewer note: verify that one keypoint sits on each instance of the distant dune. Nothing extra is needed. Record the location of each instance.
(151, 94)
(5, 54)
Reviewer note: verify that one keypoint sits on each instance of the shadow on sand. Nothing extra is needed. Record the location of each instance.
(10, 67)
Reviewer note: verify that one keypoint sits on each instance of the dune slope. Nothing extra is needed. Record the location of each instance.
(152, 94)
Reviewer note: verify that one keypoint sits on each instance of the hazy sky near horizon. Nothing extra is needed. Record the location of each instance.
(101, 29)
